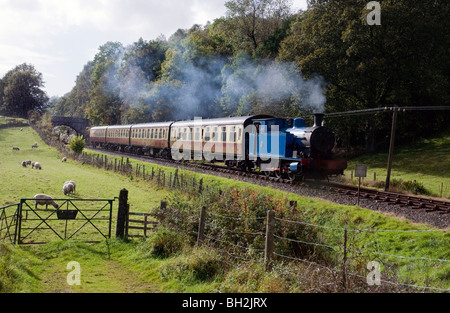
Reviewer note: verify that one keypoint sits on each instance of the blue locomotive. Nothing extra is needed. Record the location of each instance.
(275, 146)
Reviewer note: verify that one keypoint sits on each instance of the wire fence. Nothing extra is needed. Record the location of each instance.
(344, 257)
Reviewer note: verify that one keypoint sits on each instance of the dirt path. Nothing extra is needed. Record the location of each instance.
(96, 276)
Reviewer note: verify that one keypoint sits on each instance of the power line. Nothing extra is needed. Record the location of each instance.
(389, 109)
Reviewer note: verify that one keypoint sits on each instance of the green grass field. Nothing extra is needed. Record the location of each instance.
(121, 266)
(426, 161)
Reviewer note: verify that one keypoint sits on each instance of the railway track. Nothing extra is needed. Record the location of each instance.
(390, 198)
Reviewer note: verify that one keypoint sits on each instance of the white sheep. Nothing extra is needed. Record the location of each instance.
(37, 166)
(68, 188)
(64, 159)
(35, 145)
(46, 200)
(28, 162)
(32, 164)
(73, 183)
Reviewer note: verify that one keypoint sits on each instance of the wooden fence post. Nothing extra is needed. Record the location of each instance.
(201, 227)
(122, 214)
(344, 262)
(268, 250)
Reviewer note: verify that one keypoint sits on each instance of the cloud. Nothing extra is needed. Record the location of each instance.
(68, 33)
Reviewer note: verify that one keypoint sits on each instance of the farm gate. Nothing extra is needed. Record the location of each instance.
(77, 219)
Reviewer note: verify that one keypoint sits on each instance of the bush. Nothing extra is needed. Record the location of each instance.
(77, 143)
(410, 186)
(202, 264)
(165, 243)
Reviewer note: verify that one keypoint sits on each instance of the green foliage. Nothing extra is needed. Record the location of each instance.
(77, 143)
(165, 243)
(201, 264)
(20, 91)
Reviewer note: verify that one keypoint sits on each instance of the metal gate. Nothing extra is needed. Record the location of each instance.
(8, 222)
(75, 219)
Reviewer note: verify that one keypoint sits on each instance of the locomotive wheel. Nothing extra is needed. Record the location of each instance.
(267, 173)
(291, 176)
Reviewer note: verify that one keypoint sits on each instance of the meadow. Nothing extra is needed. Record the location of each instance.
(426, 161)
(118, 265)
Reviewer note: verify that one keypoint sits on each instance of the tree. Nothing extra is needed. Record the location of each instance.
(402, 62)
(252, 21)
(105, 104)
(21, 91)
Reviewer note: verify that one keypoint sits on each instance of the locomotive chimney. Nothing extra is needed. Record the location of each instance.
(318, 119)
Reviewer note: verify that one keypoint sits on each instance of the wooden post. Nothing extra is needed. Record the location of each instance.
(201, 227)
(344, 262)
(122, 214)
(268, 251)
(391, 149)
(145, 225)
(200, 187)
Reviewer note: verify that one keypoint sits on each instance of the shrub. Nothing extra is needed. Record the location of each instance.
(165, 243)
(202, 264)
(77, 143)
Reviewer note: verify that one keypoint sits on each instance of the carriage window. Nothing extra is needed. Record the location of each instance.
(224, 134)
(160, 133)
(214, 134)
(197, 134)
(164, 134)
(240, 134)
(233, 134)
(184, 133)
(190, 133)
(207, 135)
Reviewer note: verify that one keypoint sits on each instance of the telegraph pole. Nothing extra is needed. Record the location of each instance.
(391, 148)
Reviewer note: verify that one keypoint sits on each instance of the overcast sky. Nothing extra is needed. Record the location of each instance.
(60, 36)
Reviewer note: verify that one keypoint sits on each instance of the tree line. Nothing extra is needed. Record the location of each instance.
(261, 57)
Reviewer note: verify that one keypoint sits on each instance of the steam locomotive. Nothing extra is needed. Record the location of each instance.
(275, 146)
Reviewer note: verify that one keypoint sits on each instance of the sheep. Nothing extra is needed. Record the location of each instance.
(32, 164)
(43, 199)
(73, 183)
(24, 164)
(35, 145)
(37, 166)
(16, 149)
(64, 159)
(68, 188)
(28, 162)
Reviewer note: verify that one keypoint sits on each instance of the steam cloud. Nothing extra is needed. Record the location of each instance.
(198, 89)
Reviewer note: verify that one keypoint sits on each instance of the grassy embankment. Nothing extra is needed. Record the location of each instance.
(427, 162)
(118, 266)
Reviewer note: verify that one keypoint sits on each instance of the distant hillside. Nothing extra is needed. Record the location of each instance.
(426, 161)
